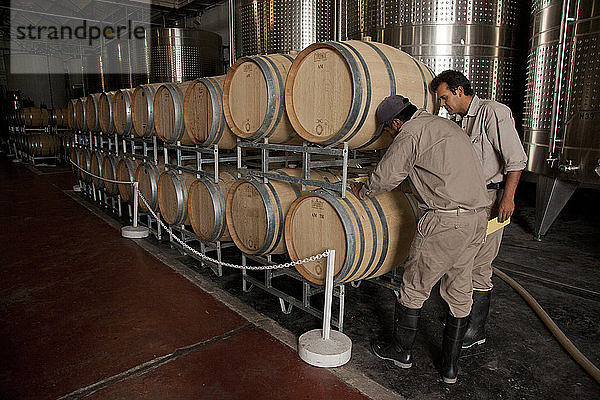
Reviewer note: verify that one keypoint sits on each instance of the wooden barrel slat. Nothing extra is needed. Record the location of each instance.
(253, 98)
(126, 168)
(142, 109)
(333, 90)
(122, 112)
(255, 211)
(173, 189)
(371, 237)
(203, 113)
(207, 205)
(169, 122)
(105, 112)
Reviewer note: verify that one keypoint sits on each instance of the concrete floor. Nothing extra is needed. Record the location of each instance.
(89, 314)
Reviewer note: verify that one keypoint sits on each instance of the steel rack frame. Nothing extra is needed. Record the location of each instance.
(286, 300)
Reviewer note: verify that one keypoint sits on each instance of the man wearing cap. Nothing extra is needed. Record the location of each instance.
(491, 129)
(445, 173)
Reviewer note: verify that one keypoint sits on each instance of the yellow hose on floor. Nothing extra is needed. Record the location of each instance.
(558, 334)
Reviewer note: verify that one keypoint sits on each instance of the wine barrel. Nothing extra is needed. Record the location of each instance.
(71, 107)
(126, 168)
(142, 109)
(122, 114)
(168, 113)
(203, 113)
(109, 171)
(147, 174)
(80, 117)
(44, 145)
(61, 117)
(206, 206)
(333, 90)
(92, 119)
(85, 159)
(255, 211)
(105, 112)
(35, 117)
(96, 168)
(370, 237)
(74, 155)
(173, 196)
(253, 98)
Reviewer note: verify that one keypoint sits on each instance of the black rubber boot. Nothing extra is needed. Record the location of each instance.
(451, 346)
(475, 334)
(406, 321)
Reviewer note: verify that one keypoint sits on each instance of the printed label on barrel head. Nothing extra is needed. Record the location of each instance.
(248, 69)
(317, 207)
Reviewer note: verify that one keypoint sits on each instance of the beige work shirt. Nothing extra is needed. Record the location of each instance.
(438, 158)
(491, 128)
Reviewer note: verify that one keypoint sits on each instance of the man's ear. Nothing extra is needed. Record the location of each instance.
(460, 91)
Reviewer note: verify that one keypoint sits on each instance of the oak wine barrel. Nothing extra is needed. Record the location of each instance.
(122, 112)
(333, 90)
(168, 113)
(207, 204)
(91, 112)
(74, 155)
(85, 158)
(80, 117)
(105, 112)
(370, 237)
(147, 174)
(71, 107)
(96, 168)
(173, 196)
(255, 211)
(109, 171)
(126, 168)
(253, 98)
(142, 109)
(44, 145)
(203, 113)
(36, 117)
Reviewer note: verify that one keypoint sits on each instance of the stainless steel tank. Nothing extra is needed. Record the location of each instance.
(179, 54)
(280, 26)
(562, 113)
(476, 37)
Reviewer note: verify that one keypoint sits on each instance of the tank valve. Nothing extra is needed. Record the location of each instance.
(568, 167)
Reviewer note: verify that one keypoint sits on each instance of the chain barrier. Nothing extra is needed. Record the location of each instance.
(197, 253)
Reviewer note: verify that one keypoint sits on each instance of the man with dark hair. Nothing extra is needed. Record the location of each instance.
(491, 128)
(448, 180)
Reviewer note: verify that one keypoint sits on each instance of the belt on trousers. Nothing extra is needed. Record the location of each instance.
(495, 186)
(458, 211)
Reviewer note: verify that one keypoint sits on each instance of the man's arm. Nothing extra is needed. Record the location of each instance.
(507, 203)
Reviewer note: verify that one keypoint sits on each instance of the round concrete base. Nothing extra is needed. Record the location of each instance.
(132, 232)
(333, 352)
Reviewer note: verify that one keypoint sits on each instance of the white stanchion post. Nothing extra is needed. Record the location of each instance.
(135, 231)
(324, 347)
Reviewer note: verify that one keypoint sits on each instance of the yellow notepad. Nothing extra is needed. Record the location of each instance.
(494, 225)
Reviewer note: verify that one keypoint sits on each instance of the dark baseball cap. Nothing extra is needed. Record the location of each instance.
(389, 108)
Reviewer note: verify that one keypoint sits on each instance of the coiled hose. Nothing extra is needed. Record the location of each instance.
(558, 334)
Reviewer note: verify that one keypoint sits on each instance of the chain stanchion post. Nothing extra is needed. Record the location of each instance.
(135, 231)
(324, 347)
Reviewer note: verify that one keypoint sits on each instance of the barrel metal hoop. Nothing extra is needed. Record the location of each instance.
(425, 92)
(293, 185)
(356, 95)
(177, 183)
(216, 94)
(361, 231)
(217, 200)
(178, 123)
(128, 100)
(281, 85)
(350, 238)
(281, 218)
(271, 99)
(270, 211)
(150, 91)
(386, 236)
(288, 57)
(153, 184)
(129, 163)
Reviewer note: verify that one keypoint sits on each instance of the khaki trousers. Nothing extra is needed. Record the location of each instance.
(482, 267)
(444, 248)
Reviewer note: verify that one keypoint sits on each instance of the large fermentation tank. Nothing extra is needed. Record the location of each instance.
(476, 37)
(562, 111)
(280, 26)
(180, 54)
